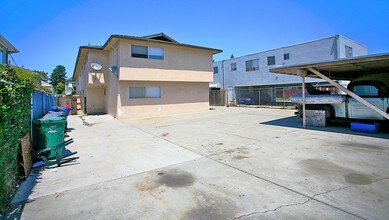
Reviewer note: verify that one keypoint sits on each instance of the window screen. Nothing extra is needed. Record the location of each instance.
(155, 53)
(252, 65)
(137, 92)
(145, 92)
(139, 51)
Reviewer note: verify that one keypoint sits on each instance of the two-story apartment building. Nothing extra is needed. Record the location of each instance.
(133, 77)
(6, 48)
(247, 78)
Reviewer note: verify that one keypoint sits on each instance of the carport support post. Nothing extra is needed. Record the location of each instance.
(303, 73)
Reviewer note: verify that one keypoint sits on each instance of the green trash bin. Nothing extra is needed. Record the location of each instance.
(51, 133)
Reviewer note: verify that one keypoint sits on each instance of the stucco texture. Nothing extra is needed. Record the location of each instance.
(176, 98)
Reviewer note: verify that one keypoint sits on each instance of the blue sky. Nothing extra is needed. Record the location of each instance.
(49, 32)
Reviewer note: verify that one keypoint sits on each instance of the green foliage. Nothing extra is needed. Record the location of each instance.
(58, 75)
(15, 97)
(42, 74)
(60, 88)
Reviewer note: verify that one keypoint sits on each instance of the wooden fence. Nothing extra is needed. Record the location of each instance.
(217, 97)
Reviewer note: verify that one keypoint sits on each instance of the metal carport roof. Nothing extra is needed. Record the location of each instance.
(342, 69)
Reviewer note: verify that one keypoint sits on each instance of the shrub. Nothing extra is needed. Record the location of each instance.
(15, 107)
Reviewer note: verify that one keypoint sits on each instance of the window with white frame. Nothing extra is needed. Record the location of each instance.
(233, 67)
(147, 52)
(271, 60)
(138, 92)
(252, 65)
(349, 52)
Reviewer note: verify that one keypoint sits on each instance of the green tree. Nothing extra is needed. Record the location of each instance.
(60, 88)
(58, 75)
(42, 74)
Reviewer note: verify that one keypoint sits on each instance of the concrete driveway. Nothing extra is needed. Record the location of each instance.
(228, 163)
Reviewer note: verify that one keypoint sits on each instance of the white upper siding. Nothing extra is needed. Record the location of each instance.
(325, 49)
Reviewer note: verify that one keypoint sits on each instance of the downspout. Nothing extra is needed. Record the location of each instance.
(223, 74)
(337, 47)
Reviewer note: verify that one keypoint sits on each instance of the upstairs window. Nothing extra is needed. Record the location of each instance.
(215, 70)
(233, 66)
(147, 52)
(155, 53)
(271, 60)
(139, 51)
(252, 65)
(349, 52)
(286, 56)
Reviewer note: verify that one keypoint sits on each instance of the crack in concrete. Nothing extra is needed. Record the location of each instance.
(301, 203)
(292, 204)
(271, 210)
(262, 178)
(331, 190)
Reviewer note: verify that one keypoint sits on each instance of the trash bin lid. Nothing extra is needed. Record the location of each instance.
(51, 119)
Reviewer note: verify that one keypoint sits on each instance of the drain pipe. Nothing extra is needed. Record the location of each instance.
(223, 74)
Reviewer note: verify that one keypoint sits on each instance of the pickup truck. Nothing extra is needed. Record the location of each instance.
(372, 88)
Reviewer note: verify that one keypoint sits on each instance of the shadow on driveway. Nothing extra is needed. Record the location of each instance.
(335, 127)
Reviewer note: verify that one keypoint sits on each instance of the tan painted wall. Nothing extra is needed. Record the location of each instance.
(96, 79)
(90, 83)
(95, 100)
(176, 98)
(183, 76)
(111, 85)
(148, 74)
(179, 64)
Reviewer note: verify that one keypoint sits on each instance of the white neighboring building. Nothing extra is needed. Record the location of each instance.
(248, 80)
(47, 85)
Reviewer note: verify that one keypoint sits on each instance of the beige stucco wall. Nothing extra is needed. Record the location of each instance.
(111, 85)
(176, 98)
(175, 57)
(149, 74)
(180, 64)
(183, 76)
(95, 100)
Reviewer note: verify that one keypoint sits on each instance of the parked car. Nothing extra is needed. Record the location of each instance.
(246, 101)
(372, 88)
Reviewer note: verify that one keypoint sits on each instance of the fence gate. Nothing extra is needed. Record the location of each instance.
(217, 97)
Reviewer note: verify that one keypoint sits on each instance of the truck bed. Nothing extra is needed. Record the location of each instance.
(318, 99)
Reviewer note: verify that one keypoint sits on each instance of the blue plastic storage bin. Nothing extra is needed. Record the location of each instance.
(363, 127)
